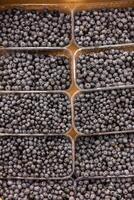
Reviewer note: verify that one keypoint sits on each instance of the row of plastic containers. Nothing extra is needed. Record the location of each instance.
(90, 113)
(59, 157)
(104, 24)
(27, 70)
(115, 188)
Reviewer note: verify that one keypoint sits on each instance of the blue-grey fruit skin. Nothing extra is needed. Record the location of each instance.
(42, 113)
(104, 27)
(36, 157)
(106, 155)
(109, 189)
(32, 28)
(104, 111)
(105, 69)
(39, 190)
(25, 71)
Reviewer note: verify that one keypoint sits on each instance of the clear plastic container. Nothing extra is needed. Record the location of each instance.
(99, 90)
(5, 130)
(62, 53)
(88, 52)
(40, 8)
(38, 137)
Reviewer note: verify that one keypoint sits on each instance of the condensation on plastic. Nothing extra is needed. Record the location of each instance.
(94, 90)
(40, 92)
(98, 177)
(101, 5)
(41, 7)
(45, 136)
(89, 51)
(47, 52)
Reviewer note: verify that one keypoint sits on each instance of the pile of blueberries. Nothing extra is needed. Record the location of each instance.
(35, 28)
(107, 155)
(104, 111)
(40, 157)
(37, 190)
(104, 27)
(108, 189)
(27, 71)
(36, 155)
(105, 69)
(40, 113)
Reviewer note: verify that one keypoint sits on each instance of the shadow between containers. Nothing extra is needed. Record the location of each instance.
(38, 178)
(101, 5)
(41, 7)
(90, 91)
(40, 92)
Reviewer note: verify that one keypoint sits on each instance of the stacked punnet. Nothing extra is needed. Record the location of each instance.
(103, 107)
